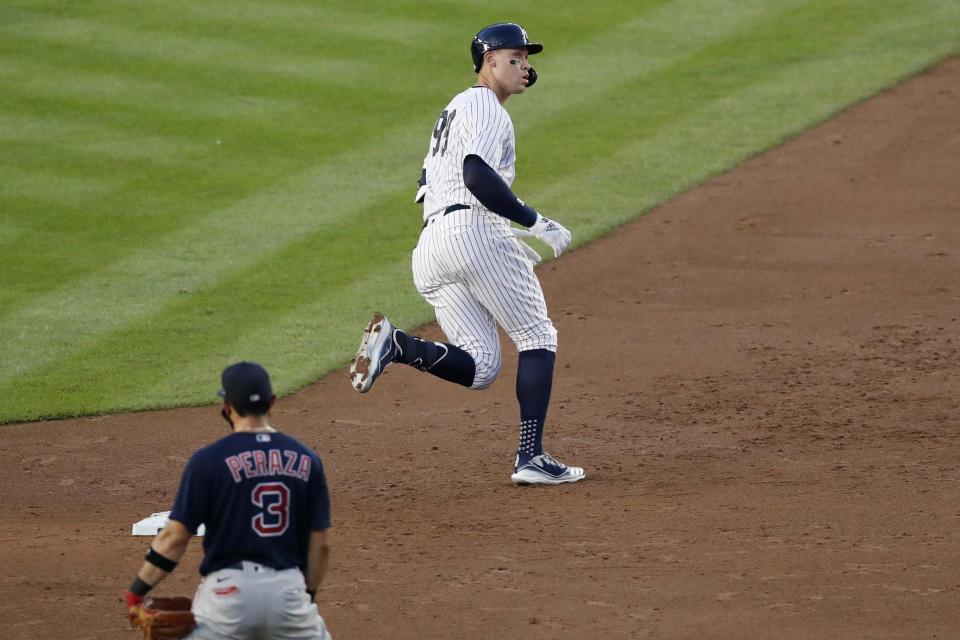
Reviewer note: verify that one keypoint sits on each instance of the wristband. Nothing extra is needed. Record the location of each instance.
(137, 590)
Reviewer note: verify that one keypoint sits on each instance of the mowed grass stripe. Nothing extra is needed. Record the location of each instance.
(80, 205)
(246, 116)
(652, 97)
(213, 46)
(219, 60)
(93, 160)
(232, 149)
(207, 100)
(587, 73)
(235, 171)
(84, 310)
(147, 96)
(646, 98)
(370, 22)
(394, 51)
(40, 186)
(739, 66)
(281, 280)
(94, 139)
(669, 78)
(678, 152)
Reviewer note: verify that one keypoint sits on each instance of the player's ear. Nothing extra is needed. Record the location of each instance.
(490, 59)
(273, 401)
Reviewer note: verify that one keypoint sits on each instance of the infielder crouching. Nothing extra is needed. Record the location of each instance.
(262, 496)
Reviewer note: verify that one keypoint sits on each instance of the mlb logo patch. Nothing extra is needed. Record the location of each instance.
(263, 437)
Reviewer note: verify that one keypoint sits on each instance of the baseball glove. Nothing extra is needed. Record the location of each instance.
(163, 617)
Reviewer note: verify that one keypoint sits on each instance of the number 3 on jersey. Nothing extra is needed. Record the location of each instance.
(274, 500)
(441, 130)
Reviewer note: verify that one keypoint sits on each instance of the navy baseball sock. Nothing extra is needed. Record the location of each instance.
(439, 358)
(534, 382)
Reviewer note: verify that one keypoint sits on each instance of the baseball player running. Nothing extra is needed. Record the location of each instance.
(469, 263)
(263, 498)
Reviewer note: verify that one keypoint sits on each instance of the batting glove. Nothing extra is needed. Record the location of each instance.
(552, 233)
(532, 254)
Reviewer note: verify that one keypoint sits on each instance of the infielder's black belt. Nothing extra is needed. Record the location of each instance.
(450, 209)
(239, 565)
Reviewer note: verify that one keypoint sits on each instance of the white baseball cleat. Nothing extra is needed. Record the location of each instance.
(376, 352)
(543, 469)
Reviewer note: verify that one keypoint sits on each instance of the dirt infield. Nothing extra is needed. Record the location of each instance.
(760, 378)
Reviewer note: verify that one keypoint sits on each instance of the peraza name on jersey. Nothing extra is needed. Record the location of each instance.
(273, 462)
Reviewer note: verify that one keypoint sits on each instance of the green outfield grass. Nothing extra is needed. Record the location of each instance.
(186, 184)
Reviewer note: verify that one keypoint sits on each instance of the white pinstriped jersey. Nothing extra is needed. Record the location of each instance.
(473, 123)
(468, 264)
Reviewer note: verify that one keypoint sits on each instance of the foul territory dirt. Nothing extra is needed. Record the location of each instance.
(760, 378)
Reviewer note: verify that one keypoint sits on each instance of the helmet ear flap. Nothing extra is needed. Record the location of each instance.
(476, 51)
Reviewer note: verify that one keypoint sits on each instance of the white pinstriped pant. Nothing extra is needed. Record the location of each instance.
(470, 267)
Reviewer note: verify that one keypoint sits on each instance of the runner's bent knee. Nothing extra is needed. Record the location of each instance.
(488, 368)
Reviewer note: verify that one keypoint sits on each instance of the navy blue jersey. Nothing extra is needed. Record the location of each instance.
(259, 496)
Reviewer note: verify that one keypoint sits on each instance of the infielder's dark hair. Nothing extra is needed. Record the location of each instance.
(257, 410)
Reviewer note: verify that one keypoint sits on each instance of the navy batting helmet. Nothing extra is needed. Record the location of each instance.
(503, 35)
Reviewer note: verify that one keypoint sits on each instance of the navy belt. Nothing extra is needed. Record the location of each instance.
(450, 209)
